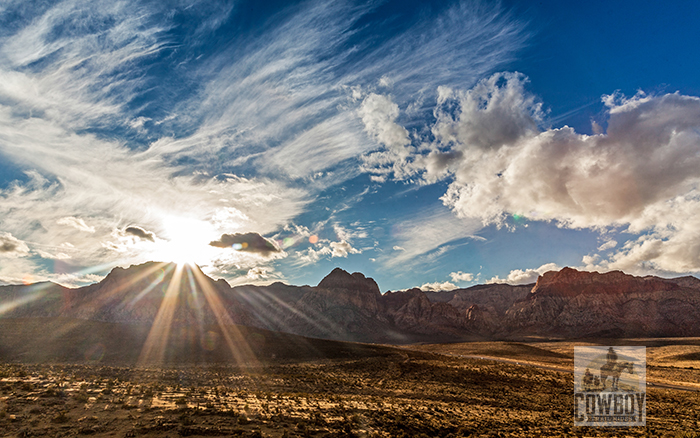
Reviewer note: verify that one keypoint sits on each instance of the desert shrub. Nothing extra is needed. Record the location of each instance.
(61, 417)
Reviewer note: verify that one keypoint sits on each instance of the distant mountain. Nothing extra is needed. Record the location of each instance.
(350, 307)
(570, 303)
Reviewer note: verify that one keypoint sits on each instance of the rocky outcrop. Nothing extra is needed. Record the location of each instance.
(570, 303)
(484, 306)
(413, 312)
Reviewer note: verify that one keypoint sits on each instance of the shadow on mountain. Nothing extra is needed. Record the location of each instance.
(67, 340)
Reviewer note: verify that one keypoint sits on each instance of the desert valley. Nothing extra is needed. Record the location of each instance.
(163, 350)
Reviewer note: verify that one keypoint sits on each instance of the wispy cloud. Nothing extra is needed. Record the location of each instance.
(428, 234)
(117, 119)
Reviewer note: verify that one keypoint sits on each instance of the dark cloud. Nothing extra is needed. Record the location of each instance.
(251, 242)
(12, 246)
(140, 233)
(7, 246)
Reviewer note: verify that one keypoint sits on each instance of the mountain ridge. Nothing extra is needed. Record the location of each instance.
(351, 307)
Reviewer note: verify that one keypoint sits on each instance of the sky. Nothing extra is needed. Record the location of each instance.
(432, 144)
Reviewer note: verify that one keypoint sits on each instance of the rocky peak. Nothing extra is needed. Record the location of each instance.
(569, 282)
(341, 279)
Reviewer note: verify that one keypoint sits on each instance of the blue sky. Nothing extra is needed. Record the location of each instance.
(429, 144)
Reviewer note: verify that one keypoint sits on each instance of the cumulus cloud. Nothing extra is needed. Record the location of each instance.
(140, 233)
(460, 276)
(437, 286)
(311, 255)
(248, 242)
(379, 115)
(640, 174)
(10, 246)
(647, 157)
(524, 276)
(342, 249)
(495, 112)
(77, 223)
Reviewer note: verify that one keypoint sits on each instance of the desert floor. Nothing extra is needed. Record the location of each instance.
(432, 392)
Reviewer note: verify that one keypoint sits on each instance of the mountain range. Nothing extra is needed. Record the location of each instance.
(350, 307)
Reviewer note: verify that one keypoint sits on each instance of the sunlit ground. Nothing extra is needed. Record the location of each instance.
(404, 394)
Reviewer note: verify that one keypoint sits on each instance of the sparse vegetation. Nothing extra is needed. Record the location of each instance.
(404, 394)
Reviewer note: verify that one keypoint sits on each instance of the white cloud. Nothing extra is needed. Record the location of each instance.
(258, 272)
(284, 106)
(640, 174)
(437, 286)
(610, 244)
(77, 223)
(460, 276)
(346, 234)
(428, 233)
(342, 249)
(57, 256)
(379, 115)
(494, 113)
(524, 276)
(311, 255)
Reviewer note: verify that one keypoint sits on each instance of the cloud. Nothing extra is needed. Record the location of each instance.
(10, 246)
(640, 174)
(524, 276)
(140, 233)
(610, 244)
(342, 249)
(258, 273)
(344, 233)
(427, 233)
(57, 256)
(648, 156)
(98, 107)
(311, 255)
(77, 223)
(379, 115)
(460, 276)
(437, 286)
(248, 242)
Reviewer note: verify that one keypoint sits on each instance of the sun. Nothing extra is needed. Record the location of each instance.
(186, 241)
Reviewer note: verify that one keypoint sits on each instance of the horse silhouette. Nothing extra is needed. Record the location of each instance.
(613, 370)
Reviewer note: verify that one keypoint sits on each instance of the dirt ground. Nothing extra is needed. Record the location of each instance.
(408, 394)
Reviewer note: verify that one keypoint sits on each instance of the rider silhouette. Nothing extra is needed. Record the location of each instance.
(612, 356)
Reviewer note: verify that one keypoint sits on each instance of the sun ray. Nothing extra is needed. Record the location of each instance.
(153, 351)
(236, 342)
(262, 300)
(150, 287)
(37, 291)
